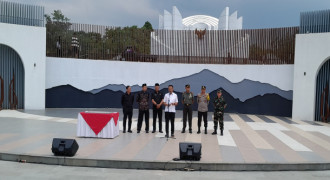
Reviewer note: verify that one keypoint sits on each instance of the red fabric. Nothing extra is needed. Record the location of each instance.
(97, 121)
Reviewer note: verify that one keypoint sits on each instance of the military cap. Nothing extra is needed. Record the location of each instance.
(203, 87)
(144, 84)
(187, 85)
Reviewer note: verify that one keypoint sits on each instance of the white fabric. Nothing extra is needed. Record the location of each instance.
(169, 99)
(109, 131)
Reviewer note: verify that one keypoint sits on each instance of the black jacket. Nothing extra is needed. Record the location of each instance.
(127, 102)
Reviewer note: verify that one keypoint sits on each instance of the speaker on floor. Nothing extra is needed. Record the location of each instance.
(190, 151)
(64, 147)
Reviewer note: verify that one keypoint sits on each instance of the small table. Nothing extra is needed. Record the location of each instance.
(98, 124)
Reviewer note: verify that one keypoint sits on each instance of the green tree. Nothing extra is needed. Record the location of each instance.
(118, 39)
(147, 25)
(57, 26)
(58, 16)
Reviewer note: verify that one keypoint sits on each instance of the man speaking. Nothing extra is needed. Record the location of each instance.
(170, 101)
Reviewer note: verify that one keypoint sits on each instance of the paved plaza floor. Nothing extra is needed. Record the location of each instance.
(27, 171)
(247, 139)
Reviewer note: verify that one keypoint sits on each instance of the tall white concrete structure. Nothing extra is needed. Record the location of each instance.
(234, 22)
(175, 21)
(223, 22)
(169, 43)
(168, 22)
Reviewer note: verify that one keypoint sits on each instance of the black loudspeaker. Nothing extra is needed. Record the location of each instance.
(190, 151)
(64, 147)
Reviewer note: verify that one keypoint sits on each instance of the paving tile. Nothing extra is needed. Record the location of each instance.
(249, 153)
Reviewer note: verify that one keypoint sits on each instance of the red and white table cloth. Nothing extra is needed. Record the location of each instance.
(100, 125)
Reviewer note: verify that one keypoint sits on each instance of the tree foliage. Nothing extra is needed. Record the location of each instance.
(94, 45)
(147, 25)
(57, 27)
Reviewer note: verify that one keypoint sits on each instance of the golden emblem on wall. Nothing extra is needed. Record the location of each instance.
(200, 33)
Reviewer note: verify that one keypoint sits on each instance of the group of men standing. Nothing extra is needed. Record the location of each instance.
(170, 101)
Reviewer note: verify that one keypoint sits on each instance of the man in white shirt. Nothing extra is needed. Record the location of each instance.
(170, 101)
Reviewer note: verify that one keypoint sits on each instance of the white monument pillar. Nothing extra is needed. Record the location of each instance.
(223, 23)
(176, 19)
(168, 20)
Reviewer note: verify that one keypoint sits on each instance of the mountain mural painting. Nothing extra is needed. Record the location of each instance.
(67, 96)
(247, 96)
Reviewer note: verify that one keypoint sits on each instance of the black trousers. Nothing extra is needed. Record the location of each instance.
(59, 52)
(75, 52)
(127, 114)
(159, 113)
(200, 116)
(187, 110)
(140, 119)
(169, 116)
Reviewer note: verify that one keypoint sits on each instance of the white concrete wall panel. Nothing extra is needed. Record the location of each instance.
(168, 23)
(30, 43)
(312, 51)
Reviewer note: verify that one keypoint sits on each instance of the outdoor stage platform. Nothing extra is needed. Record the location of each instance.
(250, 142)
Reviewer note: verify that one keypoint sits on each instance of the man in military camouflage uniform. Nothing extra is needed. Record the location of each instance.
(219, 107)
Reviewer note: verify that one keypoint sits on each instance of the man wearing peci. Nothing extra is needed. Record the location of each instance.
(157, 99)
(170, 101)
(143, 101)
(187, 101)
(127, 100)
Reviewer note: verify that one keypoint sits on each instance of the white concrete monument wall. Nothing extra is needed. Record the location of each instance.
(161, 22)
(223, 19)
(167, 20)
(249, 89)
(176, 19)
(30, 44)
(234, 22)
(87, 74)
(312, 51)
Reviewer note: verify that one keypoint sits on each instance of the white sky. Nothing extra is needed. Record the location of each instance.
(256, 13)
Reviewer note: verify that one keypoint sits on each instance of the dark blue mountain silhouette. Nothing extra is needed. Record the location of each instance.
(67, 96)
(243, 90)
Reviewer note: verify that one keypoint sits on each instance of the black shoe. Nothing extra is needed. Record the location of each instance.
(147, 131)
(138, 131)
(124, 131)
(166, 135)
(183, 131)
(190, 131)
(214, 133)
(205, 131)
(153, 131)
(161, 131)
(172, 135)
(129, 131)
(221, 132)
(199, 131)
